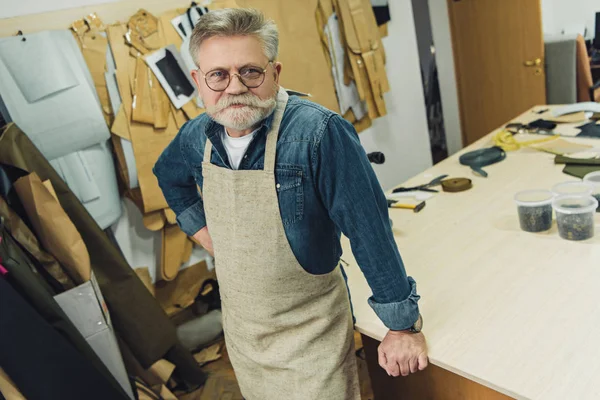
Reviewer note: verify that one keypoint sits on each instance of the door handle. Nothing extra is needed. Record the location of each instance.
(535, 63)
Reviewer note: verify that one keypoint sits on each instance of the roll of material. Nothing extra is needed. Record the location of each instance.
(198, 332)
(454, 185)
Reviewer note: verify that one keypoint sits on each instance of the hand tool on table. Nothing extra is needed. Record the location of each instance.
(425, 188)
(415, 207)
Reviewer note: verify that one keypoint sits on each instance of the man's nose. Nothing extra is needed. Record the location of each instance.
(236, 86)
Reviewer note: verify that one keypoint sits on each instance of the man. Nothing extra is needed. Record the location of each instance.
(281, 178)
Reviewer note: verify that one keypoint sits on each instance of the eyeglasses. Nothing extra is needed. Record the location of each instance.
(250, 76)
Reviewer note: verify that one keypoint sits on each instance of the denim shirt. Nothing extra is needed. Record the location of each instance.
(326, 186)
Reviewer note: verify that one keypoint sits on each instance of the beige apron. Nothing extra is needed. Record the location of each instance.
(288, 332)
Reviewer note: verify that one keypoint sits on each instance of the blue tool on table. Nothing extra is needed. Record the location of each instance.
(480, 158)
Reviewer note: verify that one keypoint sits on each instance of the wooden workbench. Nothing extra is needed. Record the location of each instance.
(507, 314)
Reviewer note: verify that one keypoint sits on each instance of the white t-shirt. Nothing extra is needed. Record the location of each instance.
(236, 147)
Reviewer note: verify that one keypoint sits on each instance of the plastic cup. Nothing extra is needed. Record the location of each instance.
(535, 210)
(575, 216)
(593, 178)
(573, 188)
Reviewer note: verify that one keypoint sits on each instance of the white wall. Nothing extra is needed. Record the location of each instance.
(402, 135)
(442, 39)
(569, 16)
(13, 8)
(142, 247)
(558, 16)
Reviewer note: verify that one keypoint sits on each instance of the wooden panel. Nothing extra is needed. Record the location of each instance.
(433, 383)
(491, 40)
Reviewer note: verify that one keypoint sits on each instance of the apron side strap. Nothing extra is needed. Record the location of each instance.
(207, 150)
(271, 146)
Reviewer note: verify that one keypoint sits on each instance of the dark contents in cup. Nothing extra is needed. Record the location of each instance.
(535, 219)
(575, 226)
(597, 197)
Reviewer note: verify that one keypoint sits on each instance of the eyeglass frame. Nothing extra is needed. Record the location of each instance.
(263, 72)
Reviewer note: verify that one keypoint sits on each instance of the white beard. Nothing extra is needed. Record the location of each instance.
(242, 118)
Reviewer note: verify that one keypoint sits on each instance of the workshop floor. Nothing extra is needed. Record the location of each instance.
(221, 384)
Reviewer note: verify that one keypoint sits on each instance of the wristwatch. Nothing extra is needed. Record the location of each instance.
(417, 326)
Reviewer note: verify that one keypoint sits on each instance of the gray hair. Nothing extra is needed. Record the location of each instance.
(236, 22)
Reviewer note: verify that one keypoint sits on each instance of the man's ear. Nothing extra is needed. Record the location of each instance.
(196, 77)
(277, 67)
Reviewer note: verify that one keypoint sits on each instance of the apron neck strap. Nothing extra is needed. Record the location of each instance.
(273, 134)
(207, 150)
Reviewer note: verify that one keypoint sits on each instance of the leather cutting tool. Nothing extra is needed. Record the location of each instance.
(425, 188)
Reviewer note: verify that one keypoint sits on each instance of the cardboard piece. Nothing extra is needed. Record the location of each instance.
(121, 163)
(8, 388)
(178, 294)
(144, 274)
(142, 32)
(86, 308)
(365, 53)
(48, 185)
(209, 354)
(567, 118)
(131, 70)
(160, 103)
(148, 145)
(54, 228)
(163, 370)
(165, 393)
(303, 70)
(120, 52)
(170, 33)
(155, 392)
(560, 147)
(93, 45)
(120, 126)
(145, 393)
(170, 216)
(174, 242)
(187, 251)
(154, 221)
(191, 110)
(383, 30)
(142, 108)
(179, 116)
(30, 243)
(143, 23)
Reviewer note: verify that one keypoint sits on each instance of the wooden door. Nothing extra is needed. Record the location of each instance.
(499, 57)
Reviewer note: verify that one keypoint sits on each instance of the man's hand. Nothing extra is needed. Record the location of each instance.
(203, 237)
(403, 353)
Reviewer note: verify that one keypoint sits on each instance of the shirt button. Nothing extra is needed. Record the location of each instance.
(246, 156)
(278, 186)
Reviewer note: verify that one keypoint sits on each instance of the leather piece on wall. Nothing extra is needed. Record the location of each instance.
(305, 70)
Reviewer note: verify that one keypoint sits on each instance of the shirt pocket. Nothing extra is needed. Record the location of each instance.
(289, 184)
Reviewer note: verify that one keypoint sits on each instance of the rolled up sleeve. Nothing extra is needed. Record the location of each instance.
(399, 315)
(192, 219)
(179, 186)
(355, 200)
